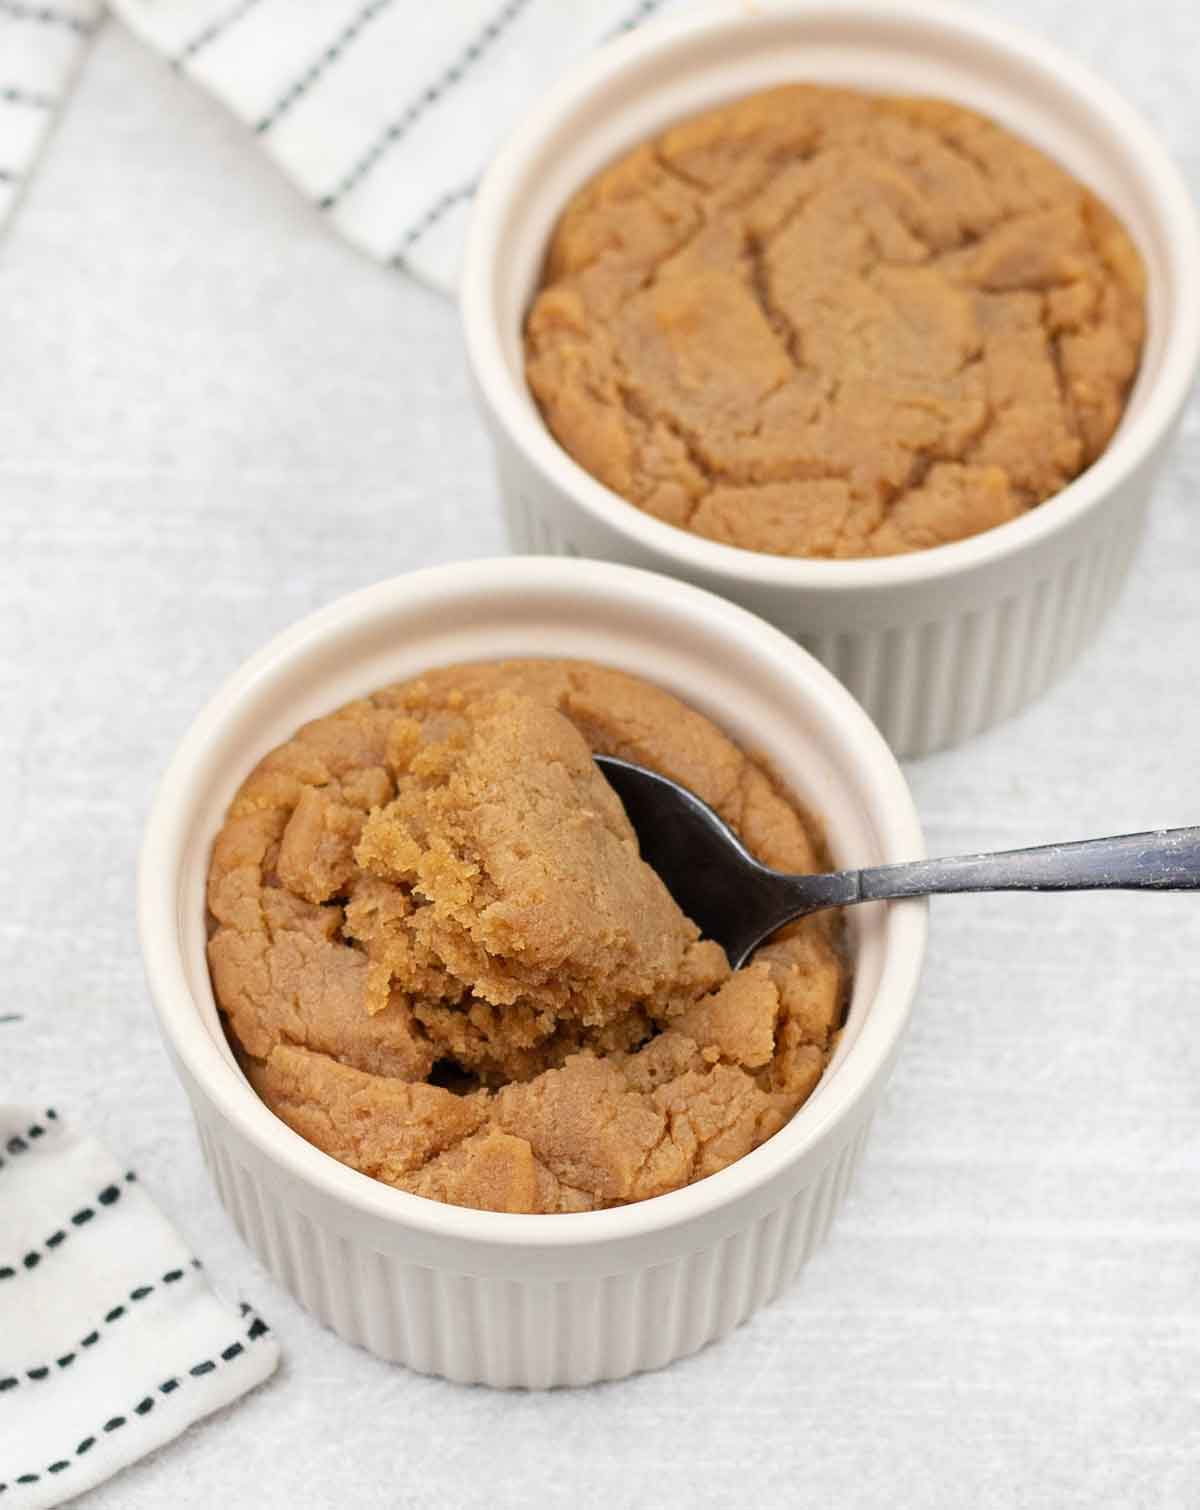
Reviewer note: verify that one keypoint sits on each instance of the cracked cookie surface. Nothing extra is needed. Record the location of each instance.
(822, 323)
(442, 960)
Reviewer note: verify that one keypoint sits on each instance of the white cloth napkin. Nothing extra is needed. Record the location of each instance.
(41, 48)
(111, 1340)
(383, 112)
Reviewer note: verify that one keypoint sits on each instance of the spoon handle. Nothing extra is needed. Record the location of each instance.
(1166, 859)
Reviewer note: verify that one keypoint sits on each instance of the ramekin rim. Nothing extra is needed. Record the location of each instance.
(1138, 437)
(235, 1101)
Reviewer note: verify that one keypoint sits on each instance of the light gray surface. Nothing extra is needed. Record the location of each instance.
(213, 418)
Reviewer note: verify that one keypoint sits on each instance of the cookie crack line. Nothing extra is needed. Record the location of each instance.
(672, 170)
(962, 152)
(1066, 399)
(942, 189)
(760, 288)
(636, 408)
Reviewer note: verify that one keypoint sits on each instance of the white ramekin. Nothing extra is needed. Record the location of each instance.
(942, 643)
(534, 1300)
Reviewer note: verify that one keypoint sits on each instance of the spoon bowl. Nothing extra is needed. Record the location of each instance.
(739, 902)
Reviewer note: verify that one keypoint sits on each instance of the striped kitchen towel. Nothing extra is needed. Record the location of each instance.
(41, 48)
(111, 1340)
(383, 112)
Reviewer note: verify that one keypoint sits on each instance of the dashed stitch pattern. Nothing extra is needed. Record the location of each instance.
(143, 1407)
(106, 1197)
(43, 1370)
(212, 31)
(46, 15)
(22, 1142)
(432, 93)
(426, 221)
(305, 82)
(11, 95)
(641, 12)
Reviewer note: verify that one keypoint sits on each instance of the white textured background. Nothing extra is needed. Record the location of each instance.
(213, 418)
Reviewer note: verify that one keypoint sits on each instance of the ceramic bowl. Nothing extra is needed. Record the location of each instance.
(942, 643)
(535, 1300)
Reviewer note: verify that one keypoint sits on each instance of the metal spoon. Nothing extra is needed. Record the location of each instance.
(738, 902)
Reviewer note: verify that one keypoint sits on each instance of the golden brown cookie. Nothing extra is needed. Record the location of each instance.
(443, 961)
(822, 323)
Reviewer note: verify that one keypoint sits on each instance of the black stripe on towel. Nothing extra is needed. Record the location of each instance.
(19, 1143)
(46, 15)
(430, 95)
(425, 222)
(143, 1407)
(111, 1317)
(106, 1197)
(11, 95)
(640, 12)
(212, 31)
(297, 91)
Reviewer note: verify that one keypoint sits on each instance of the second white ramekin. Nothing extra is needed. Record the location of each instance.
(535, 1300)
(942, 643)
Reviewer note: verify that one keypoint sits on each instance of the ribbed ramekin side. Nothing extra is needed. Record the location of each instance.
(528, 1333)
(533, 530)
(930, 685)
(928, 680)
